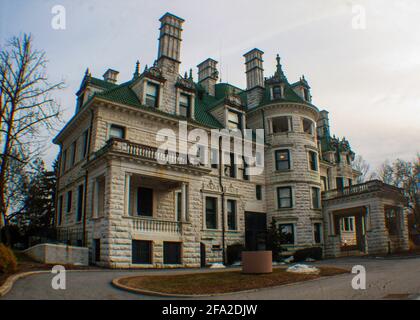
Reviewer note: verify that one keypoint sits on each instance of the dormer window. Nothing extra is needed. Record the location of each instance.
(185, 105)
(152, 94)
(277, 92)
(234, 120)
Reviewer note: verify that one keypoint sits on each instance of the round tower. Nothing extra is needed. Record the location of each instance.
(292, 170)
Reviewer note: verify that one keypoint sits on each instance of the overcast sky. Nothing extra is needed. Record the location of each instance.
(368, 79)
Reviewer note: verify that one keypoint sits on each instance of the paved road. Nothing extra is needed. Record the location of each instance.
(399, 278)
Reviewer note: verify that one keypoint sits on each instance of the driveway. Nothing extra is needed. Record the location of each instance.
(385, 279)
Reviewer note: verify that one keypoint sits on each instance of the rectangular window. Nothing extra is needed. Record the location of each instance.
(73, 153)
(308, 126)
(284, 197)
(141, 252)
(79, 212)
(64, 162)
(316, 203)
(145, 202)
(287, 234)
(185, 105)
(347, 224)
(277, 92)
(211, 213)
(231, 214)
(69, 201)
(97, 248)
(234, 120)
(313, 161)
(258, 192)
(281, 124)
(317, 233)
(178, 205)
(230, 169)
(214, 158)
(116, 132)
(350, 181)
(324, 183)
(60, 210)
(282, 160)
(85, 143)
(171, 252)
(152, 95)
(340, 183)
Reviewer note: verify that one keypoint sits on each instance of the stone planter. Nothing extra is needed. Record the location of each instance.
(257, 262)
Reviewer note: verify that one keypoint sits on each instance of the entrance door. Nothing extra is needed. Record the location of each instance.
(350, 226)
(203, 255)
(255, 231)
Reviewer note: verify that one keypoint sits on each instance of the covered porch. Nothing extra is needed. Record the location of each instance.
(368, 218)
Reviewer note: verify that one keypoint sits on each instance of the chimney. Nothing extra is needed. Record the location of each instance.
(323, 124)
(208, 75)
(111, 76)
(170, 39)
(254, 77)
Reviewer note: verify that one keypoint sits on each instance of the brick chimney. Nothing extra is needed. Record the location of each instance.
(254, 77)
(170, 40)
(208, 75)
(111, 76)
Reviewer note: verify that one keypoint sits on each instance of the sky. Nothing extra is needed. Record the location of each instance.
(361, 58)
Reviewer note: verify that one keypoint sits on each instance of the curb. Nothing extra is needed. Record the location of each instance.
(116, 283)
(8, 284)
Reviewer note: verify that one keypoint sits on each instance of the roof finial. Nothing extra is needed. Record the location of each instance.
(137, 70)
(191, 75)
(186, 75)
(278, 60)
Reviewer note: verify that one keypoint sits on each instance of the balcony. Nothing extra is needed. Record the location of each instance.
(367, 187)
(148, 153)
(146, 225)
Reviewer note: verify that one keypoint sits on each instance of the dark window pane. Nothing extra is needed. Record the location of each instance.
(178, 205)
(231, 212)
(116, 132)
(172, 253)
(313, 161)
(276, 92)
(284, 196)
(152, 95)
(258, 192)
(211, 209)
(287, 234)
(281, 124)
(282, 160)
(79, 203)
(184, 105)
(317, 232)
(145, 202)
(141, 252)
(315, 198)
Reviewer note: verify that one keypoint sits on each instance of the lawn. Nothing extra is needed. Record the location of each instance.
(220, 282)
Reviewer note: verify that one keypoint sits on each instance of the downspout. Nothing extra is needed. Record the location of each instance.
(223, 202)
(86, 181)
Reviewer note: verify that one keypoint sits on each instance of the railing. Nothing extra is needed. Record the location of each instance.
(144, 151)
(154, 225)
(73, 235)
(370, 186)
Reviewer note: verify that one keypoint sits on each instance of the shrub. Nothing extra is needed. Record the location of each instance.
(8, 262)
(303, 254)
(234, 253)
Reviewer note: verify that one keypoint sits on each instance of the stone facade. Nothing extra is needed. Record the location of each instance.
(109, 162)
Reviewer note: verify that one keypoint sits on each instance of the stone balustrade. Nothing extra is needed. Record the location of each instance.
(367, 187)
(140, 224)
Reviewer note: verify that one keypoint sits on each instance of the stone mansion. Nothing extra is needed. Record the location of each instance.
(131, 210)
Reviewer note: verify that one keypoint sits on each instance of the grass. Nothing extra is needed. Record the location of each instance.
(221, 282)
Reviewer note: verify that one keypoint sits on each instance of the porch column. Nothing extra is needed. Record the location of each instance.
(184, 201)
(127, 194)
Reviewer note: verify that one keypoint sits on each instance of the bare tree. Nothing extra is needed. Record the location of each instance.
(26, 109)
(362, 166)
